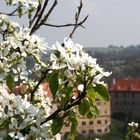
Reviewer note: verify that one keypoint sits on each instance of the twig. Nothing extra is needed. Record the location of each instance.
(77, 15)
(35, 15)
(10, 14)
(67, 25)
(67, 106)
(39, 82)
(39, 22)
(35, 26)
(48, 14)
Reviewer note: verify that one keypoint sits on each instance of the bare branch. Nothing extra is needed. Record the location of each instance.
(48, 14)
(10, 14)
(39, 15)
(39, 82)
(67, 25)
(39, 22)
(77, 15)
(35, 15)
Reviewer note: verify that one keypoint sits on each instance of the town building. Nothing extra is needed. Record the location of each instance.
(93, 126)
(125, 96)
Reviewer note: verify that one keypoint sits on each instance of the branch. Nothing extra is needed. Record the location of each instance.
(67, 106)
(10, 14)
(67, 25)
(39, 82)
(40, 21)
(48, 14)
(77, 15)
(40, 14)
(35, 15)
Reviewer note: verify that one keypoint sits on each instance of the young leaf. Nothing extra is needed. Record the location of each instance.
(19, 11)
(93, 112)
(73, 127)
(10, 82)
(101, 92)
(56, 125)
(53, 83)
(84, 107)
(91, 94)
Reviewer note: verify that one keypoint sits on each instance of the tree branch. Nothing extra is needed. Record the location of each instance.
(10, 14)
(40, 21)
(48, 14)
(39, 82)
(77, 15)
(67, 106)
(35, 26)
(35, 15)
(67, 25)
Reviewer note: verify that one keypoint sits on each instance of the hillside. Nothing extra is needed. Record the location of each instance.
(124, 62)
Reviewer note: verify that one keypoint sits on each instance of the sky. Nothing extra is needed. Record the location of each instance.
(110, 22)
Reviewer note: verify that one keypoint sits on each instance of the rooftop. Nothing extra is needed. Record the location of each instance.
(125, 85)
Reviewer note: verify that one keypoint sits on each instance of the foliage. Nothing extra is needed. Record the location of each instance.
(74, 77)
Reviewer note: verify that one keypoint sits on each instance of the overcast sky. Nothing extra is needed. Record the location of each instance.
(115, 22)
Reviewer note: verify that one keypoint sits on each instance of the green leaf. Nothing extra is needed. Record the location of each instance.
(93, 112)
(5, 123)
(137, 135)
(10, 2)
(29, 12)
(73, 127)
(19, 11)
(53, 84)
(84, 107)
(91, 94)
(56, 125)
(10, 82)
(67, 93)
(101, 92)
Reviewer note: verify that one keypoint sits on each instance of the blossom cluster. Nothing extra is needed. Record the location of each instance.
(76, 62)
(22, 117)
(133, 125)
(14, 51)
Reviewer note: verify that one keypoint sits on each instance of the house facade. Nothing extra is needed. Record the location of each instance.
(93, 126)
(125, 96)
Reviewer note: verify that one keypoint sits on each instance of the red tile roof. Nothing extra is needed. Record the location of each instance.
(132, 85)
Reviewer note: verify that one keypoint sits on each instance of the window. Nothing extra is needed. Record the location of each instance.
(98, 121)
(105, 121)
(66, 135)
(91, 131)
(124, 102)
(116, 103)
(105, 111)
(133, 95)
(67, 125)
(83, 123)
(99, 130)
(133, 103)
(106, 129)
(90, 122)
(83, 132)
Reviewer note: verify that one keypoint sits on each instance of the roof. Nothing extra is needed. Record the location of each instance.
(125, 85)
(20, 89)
